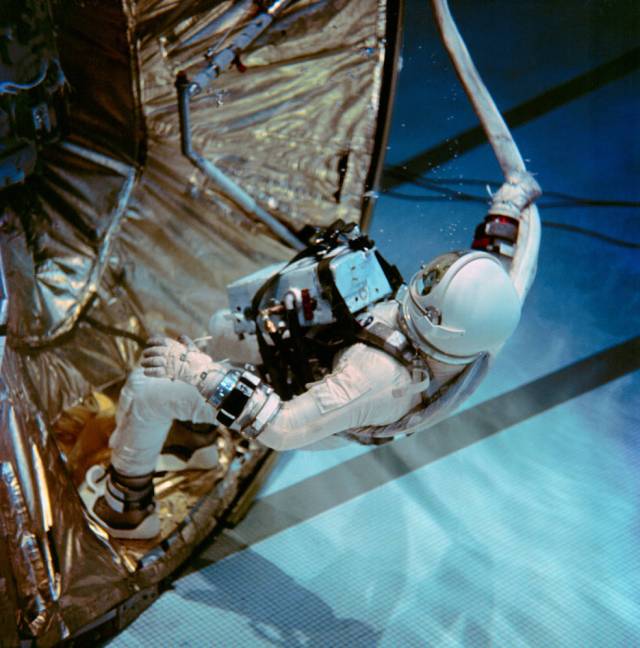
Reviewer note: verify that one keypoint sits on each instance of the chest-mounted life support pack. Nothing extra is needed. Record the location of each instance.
(303, 312)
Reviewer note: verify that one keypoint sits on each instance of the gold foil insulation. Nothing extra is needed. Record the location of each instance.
(119, 236)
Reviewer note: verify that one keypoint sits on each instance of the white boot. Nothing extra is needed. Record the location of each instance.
(125, 512)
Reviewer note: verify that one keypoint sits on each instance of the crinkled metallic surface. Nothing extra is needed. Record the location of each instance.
(56, 242)
(59, 566)
(120, 236)
(295, 129)
(59, 227)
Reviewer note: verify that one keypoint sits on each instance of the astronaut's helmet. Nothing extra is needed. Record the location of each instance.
(460, 305)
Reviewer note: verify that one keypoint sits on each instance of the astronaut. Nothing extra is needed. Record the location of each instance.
(330, 347)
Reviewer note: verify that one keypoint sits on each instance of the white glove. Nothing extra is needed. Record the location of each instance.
(177, 360)
(519, 191)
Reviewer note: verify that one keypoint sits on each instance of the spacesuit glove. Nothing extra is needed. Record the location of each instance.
(517, 193)
(177, 360)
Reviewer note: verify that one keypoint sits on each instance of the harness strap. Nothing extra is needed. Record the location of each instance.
(388, 339)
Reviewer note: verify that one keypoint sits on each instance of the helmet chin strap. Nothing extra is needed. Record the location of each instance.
(436, 328)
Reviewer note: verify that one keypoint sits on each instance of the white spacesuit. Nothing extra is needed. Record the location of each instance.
(409, 358)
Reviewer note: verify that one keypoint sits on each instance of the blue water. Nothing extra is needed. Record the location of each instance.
(530, 538)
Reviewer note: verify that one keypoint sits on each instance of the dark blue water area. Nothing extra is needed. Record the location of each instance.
(522, 49)
(586, 294)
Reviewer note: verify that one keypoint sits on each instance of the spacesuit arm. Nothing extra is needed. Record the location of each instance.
(512, 227)
(515, 200)
(525, 260)
(262, 415)
(367, 387)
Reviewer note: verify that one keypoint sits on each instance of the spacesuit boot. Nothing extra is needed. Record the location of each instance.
(123, 505)
(120, 498)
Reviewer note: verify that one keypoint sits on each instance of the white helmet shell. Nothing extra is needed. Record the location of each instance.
(460, 305)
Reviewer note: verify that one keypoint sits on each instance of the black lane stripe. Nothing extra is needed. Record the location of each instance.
(357, 476)
(545, 102)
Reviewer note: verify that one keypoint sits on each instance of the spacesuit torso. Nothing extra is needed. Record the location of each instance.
(352, 371)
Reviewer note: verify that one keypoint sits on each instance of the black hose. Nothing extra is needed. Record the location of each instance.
(592, 233)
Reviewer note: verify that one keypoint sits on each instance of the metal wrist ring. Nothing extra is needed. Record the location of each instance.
(224, 388)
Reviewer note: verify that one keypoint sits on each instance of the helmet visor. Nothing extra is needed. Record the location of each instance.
(433, 273)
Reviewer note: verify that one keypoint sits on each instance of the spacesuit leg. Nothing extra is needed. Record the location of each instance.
(146, 410)
(121, 499)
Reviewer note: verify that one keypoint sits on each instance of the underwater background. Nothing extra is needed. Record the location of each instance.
(516, 523)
